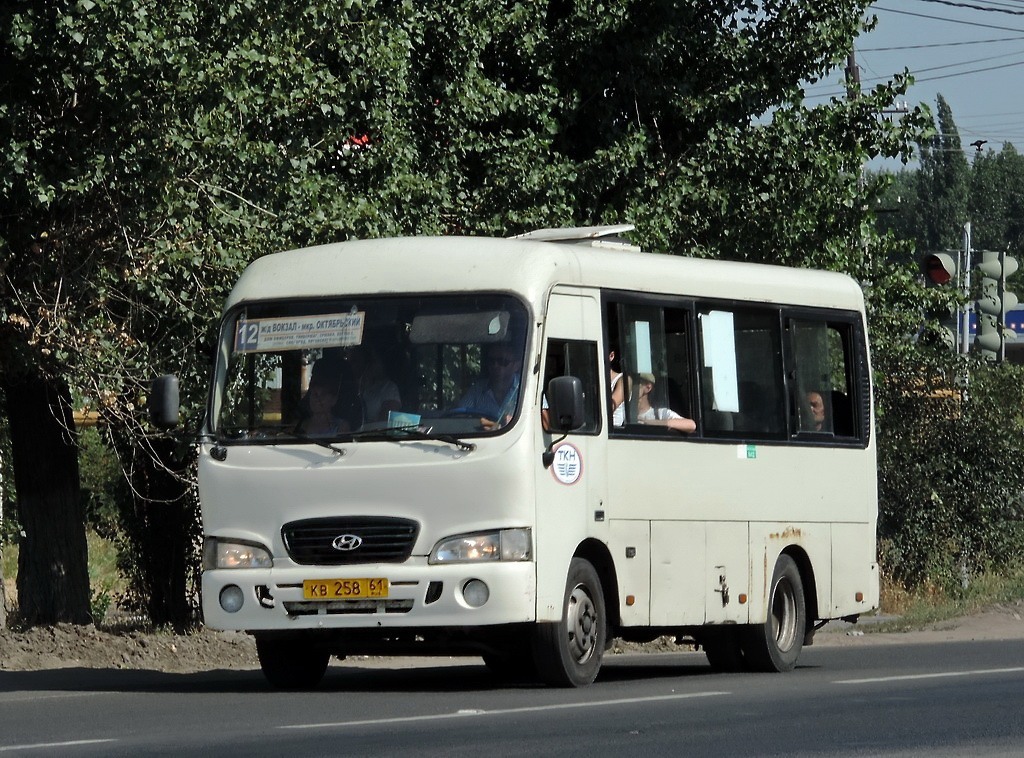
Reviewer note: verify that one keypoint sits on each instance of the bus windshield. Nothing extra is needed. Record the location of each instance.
(359, 368)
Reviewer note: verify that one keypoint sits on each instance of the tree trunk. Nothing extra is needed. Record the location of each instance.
(3, 588)
(167, 536)
(53, 573)
(3, 593)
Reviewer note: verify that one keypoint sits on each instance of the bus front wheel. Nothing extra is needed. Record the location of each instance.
(776, 644)
(568, 653)
(290, 664)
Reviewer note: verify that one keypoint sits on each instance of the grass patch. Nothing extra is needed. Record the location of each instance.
(930, 604)
(105, 581)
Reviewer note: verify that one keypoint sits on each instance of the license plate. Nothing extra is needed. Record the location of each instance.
(344, 589)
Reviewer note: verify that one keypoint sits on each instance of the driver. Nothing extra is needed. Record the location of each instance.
(495, 394)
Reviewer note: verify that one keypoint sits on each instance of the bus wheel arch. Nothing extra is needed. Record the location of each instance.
(775, 644)
(596, 553)
(568, 652)
(803, 563)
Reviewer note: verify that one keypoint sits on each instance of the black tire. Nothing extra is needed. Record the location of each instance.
(776, 644)
(291, 664)
(724, 650)
(569, 653)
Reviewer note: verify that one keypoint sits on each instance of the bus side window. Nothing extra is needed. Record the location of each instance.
(741, 390)
(823, 394)
(651, 343)
(575, 358)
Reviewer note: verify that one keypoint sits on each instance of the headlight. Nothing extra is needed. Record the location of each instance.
(501, 545)
(225, 554)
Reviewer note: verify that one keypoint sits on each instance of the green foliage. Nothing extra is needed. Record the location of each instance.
(996, 200)
(942, 185)
(150, 150)
(950, 490)
(101, 476)
(950, 484)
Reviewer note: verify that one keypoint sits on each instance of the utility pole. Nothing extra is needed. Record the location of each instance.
(852, 76)
(852, 93)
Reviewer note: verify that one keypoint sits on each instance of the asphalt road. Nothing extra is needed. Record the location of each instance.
(954, 698)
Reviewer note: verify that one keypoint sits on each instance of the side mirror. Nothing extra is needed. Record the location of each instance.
(163, 402)
(565, 404)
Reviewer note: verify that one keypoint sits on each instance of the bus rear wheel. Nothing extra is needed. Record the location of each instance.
(568, 654)
(776, 644)
(289, 664)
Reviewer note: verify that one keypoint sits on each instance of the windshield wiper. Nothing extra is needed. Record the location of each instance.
(322, 443)
(417, 432)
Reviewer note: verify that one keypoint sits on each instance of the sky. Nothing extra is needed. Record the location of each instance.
(969, 51)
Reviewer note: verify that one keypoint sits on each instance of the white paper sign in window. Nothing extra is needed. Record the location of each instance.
(718, 335)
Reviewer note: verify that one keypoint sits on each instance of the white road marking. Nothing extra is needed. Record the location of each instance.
(937, 675)
(506, 711)
(51, 745)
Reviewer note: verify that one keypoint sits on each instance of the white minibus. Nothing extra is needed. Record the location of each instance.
(523, 449)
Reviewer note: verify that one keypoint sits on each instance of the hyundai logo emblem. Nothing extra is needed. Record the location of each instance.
(347, 542)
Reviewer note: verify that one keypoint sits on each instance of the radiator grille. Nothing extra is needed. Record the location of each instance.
(350, 539)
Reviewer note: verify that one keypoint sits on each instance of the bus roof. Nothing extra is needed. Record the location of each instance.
(526, 266)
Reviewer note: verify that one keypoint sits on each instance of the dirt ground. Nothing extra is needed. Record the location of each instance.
(66, 646)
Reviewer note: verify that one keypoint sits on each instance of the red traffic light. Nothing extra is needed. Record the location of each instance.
(939, 268)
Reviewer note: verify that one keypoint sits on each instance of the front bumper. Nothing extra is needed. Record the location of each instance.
(420, 596)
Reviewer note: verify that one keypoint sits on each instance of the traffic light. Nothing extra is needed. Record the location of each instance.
(994, 300)
(940, 270)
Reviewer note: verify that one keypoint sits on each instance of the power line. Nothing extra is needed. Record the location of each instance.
(950, 20)
(938, 44)
(964, 73)
(831, 91)
(972, 6)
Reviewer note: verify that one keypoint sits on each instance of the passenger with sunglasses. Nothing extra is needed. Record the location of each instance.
(495, 394)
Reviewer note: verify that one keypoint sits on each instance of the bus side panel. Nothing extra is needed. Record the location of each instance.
(769, 540)
(728, 572)
(854, 570)
(678, 574)
(629, 544)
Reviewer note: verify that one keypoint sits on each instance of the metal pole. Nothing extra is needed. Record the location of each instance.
(1002, 305)
(965, 280)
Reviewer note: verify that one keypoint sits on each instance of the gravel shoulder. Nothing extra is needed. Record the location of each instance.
(68, 646)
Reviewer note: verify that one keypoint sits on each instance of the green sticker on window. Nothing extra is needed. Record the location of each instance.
(751, 452)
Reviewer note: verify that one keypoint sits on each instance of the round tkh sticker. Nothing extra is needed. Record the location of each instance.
(568, 465)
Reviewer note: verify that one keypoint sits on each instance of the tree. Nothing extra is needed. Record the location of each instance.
(943, 180)
(151, 149)
(949, 494)
(996, 200)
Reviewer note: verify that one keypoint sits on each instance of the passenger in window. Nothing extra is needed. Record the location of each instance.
(817, 405)
(378, 395)
(495, 394)
(317, 406)
(649, 414)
